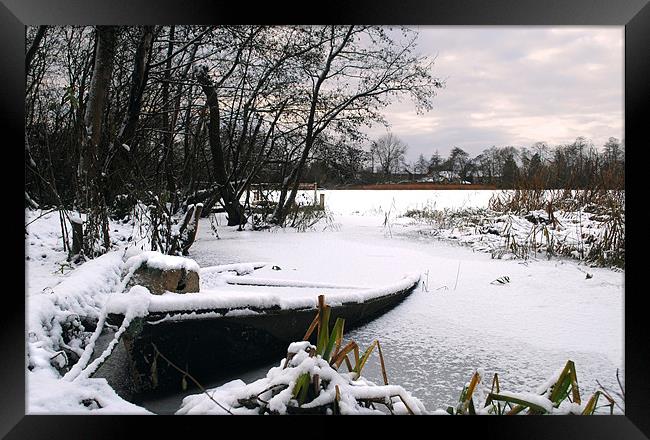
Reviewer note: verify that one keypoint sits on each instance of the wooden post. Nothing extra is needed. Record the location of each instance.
(322, 201)
(77, 236)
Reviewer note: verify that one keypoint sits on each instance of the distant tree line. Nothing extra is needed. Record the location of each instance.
(579, 164)
(173, 115)
(576, 165)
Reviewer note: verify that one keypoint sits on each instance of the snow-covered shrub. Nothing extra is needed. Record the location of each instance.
(302, 384)
(305, 218)
(570, 224)
(308, 381)
(122, 207)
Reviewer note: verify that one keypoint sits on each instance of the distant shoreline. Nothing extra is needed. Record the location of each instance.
(421, 185)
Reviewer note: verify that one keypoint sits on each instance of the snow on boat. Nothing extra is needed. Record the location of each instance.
(234, 322)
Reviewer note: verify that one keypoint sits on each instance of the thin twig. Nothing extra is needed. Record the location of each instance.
(606, 393)
(42, 215)
(425, 284)
(457, 273)
(191, 378)
(618, 379)
(277, 385)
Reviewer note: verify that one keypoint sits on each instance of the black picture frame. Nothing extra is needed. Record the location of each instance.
(633, 14)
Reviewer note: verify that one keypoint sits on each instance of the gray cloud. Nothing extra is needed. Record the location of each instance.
(516, 86)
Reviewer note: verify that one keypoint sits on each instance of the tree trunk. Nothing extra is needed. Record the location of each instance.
(91, 196)
(297, 174)
(168, 138)
(235, 211)
(101, 78)
(77, 237)
(29, 56)
(175, 117)
(126, 135)
(282, 208)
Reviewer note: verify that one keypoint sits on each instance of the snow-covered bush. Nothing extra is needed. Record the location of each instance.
(156, 228)
(303, 383)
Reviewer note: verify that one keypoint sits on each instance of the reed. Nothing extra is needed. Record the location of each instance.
(558, 396)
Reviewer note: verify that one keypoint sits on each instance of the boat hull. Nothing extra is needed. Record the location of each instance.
(212, 345)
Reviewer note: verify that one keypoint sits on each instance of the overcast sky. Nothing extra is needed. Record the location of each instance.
(516, 86)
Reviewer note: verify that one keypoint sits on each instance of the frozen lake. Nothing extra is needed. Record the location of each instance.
(365, 202)
(525, 330)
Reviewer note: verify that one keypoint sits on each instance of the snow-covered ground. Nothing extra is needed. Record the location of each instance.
(459, 320)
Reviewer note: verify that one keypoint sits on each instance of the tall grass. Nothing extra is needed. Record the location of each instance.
(559, 395)
(605, 248)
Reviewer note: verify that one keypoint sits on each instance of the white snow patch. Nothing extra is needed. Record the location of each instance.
(533, 398)
(161, 261)
(240, 268)
(271, 282)
(133, 304)
(47, 394)
(241, 312)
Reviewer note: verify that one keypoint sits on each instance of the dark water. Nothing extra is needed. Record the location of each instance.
(169, 403)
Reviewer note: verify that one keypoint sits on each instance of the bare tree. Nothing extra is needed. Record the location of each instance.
(108, 114)
(421, 166)
(390, 152)
(457, 161)
(354, 72)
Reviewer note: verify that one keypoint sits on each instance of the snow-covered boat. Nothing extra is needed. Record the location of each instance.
(239, 324)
